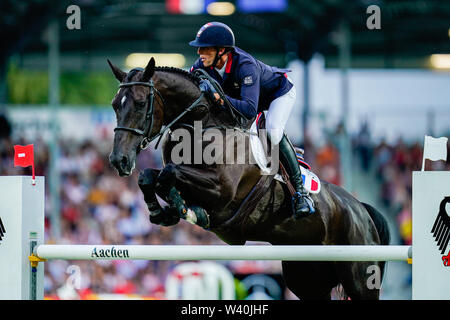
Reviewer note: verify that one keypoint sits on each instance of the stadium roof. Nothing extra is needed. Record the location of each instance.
(411, 30)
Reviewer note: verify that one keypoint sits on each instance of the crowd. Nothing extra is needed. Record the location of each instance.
(99, 207)
(393, 165)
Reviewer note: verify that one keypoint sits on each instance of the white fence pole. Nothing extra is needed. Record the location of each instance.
(22, 219)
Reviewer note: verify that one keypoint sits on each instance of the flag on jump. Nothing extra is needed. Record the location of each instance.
(24, 157)
(434, 149)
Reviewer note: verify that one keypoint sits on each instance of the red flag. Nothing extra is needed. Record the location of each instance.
(24, 157)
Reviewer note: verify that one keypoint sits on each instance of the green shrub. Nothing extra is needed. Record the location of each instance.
(79, 88)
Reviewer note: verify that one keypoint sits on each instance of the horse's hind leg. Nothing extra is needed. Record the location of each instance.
(361, 280)
(310, 280)
(147, 183)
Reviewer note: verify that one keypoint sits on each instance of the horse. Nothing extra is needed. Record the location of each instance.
(153, 102)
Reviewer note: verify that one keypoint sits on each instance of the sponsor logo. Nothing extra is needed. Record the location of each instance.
(248, 80)
(109, 253)
(441, 231)
(2, 230)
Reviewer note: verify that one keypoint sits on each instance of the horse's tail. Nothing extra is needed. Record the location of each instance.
(382, 227)
(381, 224)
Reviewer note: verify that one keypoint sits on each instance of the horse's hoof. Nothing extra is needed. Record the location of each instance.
(154, 209)
(164, 221)
(201, 217)
(165, 218)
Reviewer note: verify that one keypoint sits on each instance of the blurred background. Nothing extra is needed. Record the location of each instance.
(372, 78)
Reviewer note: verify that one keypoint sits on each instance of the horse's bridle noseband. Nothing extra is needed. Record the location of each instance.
(147, 139)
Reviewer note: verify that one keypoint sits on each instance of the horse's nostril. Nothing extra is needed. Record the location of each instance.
(124, 162)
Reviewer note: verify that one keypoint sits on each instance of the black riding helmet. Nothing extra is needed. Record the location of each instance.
(214, 34)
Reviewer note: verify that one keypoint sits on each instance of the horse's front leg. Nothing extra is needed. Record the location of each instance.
(192, 191)
(158, 215)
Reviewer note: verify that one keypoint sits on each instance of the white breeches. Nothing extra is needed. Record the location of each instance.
(278, 115)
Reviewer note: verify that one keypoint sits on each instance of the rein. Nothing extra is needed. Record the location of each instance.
(237, 116)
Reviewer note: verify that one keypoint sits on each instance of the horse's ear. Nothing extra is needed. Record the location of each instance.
(119, 74)
(149, 70)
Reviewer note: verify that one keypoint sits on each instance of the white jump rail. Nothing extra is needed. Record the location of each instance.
(222, 252)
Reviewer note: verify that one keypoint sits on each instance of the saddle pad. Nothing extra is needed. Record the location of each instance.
(310, 180)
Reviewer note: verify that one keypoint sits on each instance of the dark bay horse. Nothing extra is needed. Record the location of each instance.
(210, 195)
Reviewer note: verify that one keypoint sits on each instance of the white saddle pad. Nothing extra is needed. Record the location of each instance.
(310, 180)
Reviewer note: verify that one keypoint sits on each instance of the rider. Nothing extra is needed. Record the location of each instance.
(251, 87)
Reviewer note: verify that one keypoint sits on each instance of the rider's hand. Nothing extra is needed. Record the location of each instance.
(217, 99)
(207, 87)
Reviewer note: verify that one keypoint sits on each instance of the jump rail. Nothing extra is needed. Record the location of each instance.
(221, 252)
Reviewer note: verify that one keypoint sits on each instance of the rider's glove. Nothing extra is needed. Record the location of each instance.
(207, 87)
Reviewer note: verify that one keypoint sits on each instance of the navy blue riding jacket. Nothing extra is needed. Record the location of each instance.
(249, 84)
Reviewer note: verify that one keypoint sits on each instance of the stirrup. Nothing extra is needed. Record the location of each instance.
(307, 204)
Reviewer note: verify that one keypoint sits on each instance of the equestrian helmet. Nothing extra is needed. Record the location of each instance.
(214, 34)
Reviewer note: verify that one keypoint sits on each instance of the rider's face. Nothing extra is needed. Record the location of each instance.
(207, 55)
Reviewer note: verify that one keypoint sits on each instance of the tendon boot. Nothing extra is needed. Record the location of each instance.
(165, 187)
(302, 204)
(147, 182)
(194, 214)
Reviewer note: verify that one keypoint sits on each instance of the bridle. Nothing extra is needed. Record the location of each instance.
(148, 126)
(149, 114)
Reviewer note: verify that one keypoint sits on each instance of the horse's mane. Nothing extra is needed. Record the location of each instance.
(182, 72)
(179, 71)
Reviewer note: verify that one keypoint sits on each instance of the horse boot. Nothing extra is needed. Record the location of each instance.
(302, 204)
(147, 182)
(166, 187)
(193, 214)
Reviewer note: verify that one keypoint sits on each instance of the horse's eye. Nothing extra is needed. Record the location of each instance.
(140, 104)
(115, 105)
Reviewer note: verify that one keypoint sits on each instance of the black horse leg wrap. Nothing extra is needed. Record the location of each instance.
(147, 182)
(202, 216)
(166, 188)
(166, 181)
(176, 202)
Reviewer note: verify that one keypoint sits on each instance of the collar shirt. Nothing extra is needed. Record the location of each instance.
(221, 71)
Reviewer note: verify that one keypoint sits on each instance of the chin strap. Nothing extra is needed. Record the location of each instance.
(217, 57)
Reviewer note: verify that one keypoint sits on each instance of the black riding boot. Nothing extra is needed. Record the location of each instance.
(302, 203)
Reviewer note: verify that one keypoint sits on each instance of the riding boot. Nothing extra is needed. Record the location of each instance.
(302, 203)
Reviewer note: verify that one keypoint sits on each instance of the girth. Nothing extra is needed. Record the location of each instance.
(247, 206)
